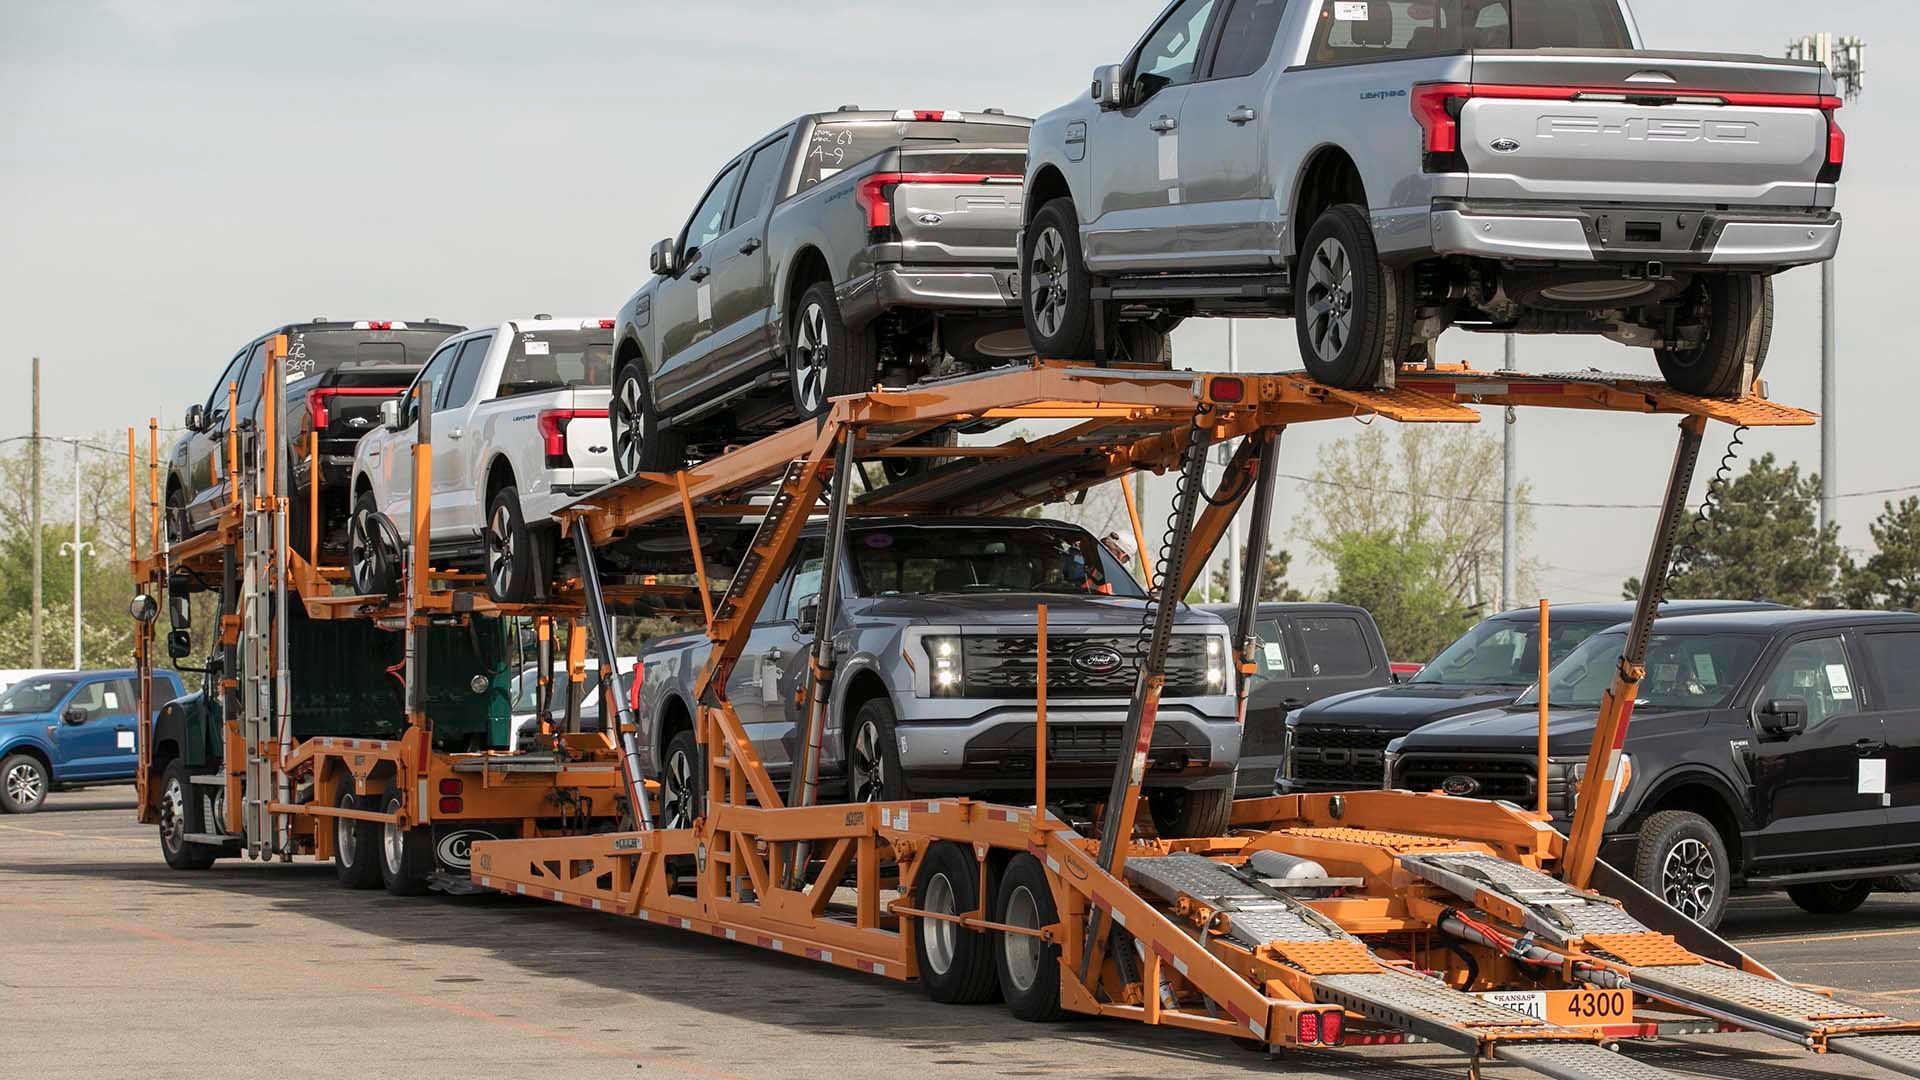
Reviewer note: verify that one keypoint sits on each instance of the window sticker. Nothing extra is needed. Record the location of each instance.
(537, 348)
(1703, 668)
(703, 303)
(1275, 659)
(1839, 682)
(1873, 776)
(1347, 11)
(123, 740)
(1169, 157)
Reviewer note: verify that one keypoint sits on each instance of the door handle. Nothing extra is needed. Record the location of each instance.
(1164, 124)
(1242, 115)
(701, 273)
(774, 655)
(1868, 747)
(750, 246)
(456, 433)
(1293, 703)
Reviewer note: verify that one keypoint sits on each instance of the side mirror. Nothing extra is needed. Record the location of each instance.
(179, 644)
(74, 716)
(809, 620)
(390, 415)
(1109, 88)
(179, 611)
(196, 421)
(664, 257)
(144, 608)
(1783, 717)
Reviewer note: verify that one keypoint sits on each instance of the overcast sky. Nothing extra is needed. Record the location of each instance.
(178, 175)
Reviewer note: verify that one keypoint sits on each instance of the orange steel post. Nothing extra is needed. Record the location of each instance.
(693, 541)
(418, 586)
(133, 512)
(1040, 715)
(153, 487)
(269, 420)
(1139, 533)
(233, 442)
(1545, 666)
(313, 497)
(576, 673)
(1616, 706)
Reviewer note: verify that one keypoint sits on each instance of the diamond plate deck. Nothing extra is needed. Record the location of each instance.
(1899, 1053)
(1555, 910)
(1255, 915)
(1580, 1061)
(1768, 1004)
(1424, 1007)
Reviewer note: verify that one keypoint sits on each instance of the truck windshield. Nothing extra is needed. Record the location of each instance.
(557, 359)
(314, 352)
(1399, 29)
(836, 147)
(1684, 671)
(909, 561)
(1505, 652)
(33, 696)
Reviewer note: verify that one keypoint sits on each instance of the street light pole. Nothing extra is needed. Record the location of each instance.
(78, 547)
(1233, 523)
(33, 454)
(1510, 499)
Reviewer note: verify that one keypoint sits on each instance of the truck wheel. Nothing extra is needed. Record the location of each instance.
(1681, 859)
(639, 444)
(406, 855)
(1738, 312)
(1027, 968)
(1059, 288)
(176, 516)
(1830, 897)
(825, 359)
(23, 784)
(1180, 812)
(176, 821)
(682, 783)
(372, 560)
(956, 964)
(1142, 342)
(873, 755)
(356, 846)
(510, 550)
(1351, 312)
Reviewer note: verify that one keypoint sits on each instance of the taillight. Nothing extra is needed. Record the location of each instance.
(1433, 107)
(552, 424)
(1307, 1031)
(1333, 1028)
(1226, 390)
(452, 786)
(1836, 148)
(874, 195)
(366, 324)
(934, 115)
(606, 324)
(451, 805)
(638, 676)
(317, 408)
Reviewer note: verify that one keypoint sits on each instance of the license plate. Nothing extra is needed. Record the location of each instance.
(1584, 1007)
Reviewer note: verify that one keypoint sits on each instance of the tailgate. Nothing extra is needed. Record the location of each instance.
(346, 402)
(959, 206)
(1645, 127)
(589, 438)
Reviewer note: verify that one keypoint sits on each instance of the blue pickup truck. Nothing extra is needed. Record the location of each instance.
(69, 729)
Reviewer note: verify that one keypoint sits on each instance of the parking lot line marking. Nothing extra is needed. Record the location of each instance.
(1796, 939)
(307, 971)
(79, 836)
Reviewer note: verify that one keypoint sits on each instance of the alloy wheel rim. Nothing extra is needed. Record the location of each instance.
(362, 556)
(810, 359)
(393, 846)
(1687, 878)
(346, 841)
(173, 815)
(1047, 282)
(939, 936)
(625, 418)
(25, 786)
(1022, 951)
(500, 553)
(1330, 299)
(677, 796)
(869, 766)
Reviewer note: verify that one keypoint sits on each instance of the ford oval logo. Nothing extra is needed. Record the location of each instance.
(1097, 660)
(1505, 146)
(358, 421)
(931, 219)
(1459, 786)
(455, 850)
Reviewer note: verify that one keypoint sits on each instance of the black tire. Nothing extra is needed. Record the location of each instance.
(373, 562)
(511, 549)
(956, 964)
(1350, 312)
(1830, 897)
(1027, 968)
(683, 783)
(899, 469)
(176, 516)
(639, 443)
(1180, 813)
(1058, 287)
(24, 783)
(1142, 342)
(356, 846)
(178, 818)
(1739, 317)
(873, 755)
(406, 855)
(1681, 859)
(826, 359)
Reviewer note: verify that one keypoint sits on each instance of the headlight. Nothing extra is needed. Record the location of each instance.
(1216, 665)
(1387, 762)
(1579, 773)
(947, 670)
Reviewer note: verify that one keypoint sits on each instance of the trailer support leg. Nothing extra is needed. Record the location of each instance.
(1253, 573)
(601, 628)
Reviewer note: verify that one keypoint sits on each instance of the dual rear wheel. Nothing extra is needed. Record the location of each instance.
(962, 966)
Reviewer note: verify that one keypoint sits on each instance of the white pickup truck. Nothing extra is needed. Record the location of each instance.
(519, 430)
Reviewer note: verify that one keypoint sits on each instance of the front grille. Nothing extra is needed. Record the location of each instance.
(1011, 747)
(1081, 666)
(1331, 755)
(1514, 779)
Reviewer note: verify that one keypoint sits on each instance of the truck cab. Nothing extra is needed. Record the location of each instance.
(71, 728)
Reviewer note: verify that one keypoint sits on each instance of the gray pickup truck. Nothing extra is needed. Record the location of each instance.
(933, 690)
(844, 248)
(1381, 170)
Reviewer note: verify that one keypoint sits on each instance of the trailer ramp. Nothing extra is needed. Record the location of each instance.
(1346, 973)
(1661, 970)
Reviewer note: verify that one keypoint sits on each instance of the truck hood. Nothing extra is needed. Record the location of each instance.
(11, 721)
(1017, 610)
(1517, 728)
(1403, 707)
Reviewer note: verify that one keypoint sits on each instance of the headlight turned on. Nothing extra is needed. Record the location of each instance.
(948, 670)
(1216, 665)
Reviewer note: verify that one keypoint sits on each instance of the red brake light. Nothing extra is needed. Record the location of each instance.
(317, 408)
(606, 324)
(1308, 1030)
(1433, 108)
(451, 806)
(875, 193)
(380, 325)
(1836, 140)
(1333, 1027)
(1227, 390)
(637, 676)
(552, 424)
(451, 786)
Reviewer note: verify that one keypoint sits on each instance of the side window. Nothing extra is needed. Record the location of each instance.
(1354, 31)
(1172, 52)
(1270, 652)
(91, 699)
(769, 164)
(806, 579)
(710, 221)
(120, 697)
(217, 400)
(432, 375)
(459, 389)
(1335, 646)
(1897, 658)
(1815, 671)
(250, 380)
(1246, 38)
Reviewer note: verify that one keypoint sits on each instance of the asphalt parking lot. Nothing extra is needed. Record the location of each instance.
(112, 964)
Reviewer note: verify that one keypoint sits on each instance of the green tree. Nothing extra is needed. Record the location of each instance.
(1273, 577)
(1891, 577)
(1761, 542)
(1403, 580)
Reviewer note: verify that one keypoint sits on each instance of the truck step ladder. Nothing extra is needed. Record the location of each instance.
(1563, 915)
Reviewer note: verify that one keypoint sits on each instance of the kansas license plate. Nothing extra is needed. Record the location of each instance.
(1571, 1008)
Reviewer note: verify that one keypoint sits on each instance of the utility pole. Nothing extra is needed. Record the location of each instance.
(1846, 58)
(78, 547)
(1510, 499)
(33, 456)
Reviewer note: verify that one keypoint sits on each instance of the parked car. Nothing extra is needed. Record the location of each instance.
(527, 712)
(1340, 742)
(70, 729)
(1767, 749)
(519, 430)
(843, 248)
(933, 689)
(10, 676)
(1304, 652)
(338, 373)
(1385, 169)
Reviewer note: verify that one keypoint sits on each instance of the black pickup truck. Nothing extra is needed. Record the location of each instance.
(1767, 749)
